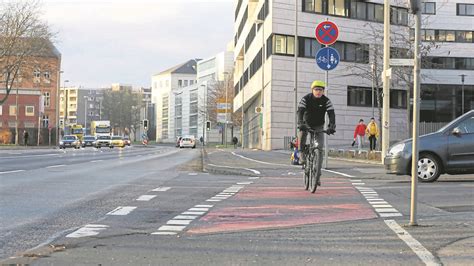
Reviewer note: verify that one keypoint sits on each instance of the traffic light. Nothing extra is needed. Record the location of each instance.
(208, 125)
(145, 123)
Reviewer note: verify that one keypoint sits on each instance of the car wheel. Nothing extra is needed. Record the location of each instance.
(429, 168)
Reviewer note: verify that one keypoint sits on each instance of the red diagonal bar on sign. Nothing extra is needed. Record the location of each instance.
(326, 32)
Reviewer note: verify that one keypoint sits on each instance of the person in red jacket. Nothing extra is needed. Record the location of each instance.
(359, 134)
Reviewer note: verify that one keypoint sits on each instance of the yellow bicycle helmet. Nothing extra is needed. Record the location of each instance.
(318, 83)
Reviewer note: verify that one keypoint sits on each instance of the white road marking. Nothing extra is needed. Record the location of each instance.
(213, 200)
(378, 202)
(199, 209)
(245, 183)
(185, 217)
(160, 189)
(54, 166)
(378, 199)
(254, 177)
(96, 161)
(11, 172)
(122, 210)
(339, 173)
(368, 192)
(419, 250)
(358, 184)
(355, 180)
(386, 210)
(164, 233)
(204, 206)
(146, 197)
(390, 214)
(248, 169)
(88, 230)
(192, 174)
(382, 206)
(179, 222)
(171, 228)
(193, 213)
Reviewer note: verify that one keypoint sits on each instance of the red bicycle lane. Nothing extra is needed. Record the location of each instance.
(279, 202)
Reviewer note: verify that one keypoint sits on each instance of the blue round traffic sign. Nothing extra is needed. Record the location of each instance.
(327, 58)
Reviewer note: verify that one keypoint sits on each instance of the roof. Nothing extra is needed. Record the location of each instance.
(188, 67)
(44, 47)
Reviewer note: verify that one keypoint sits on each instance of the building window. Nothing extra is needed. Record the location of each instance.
(47, 99)
(308, 47)
(193, 132)
(191, 82)
(428, 8)
(36, 76)
(193, 108)
(465, 9)
(29, 110)
(398, 99)
(193, 96)
(167, 83)
(45, 120)
(180, 83)
(338, 8)
(284, 45)
(46, 76)
(448, 63)
(161, 84)
(359, 96)
(12, 110)
(185, 83)
(193, 120)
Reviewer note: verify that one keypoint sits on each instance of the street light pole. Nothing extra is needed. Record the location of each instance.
(462, 92)
(386, 81)
(58, 104)
(262, 92)
(85, 115)
(373, 78)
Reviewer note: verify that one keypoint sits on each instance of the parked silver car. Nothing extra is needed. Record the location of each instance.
(449, 150)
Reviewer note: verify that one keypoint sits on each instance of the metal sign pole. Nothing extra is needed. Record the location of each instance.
(326, 149)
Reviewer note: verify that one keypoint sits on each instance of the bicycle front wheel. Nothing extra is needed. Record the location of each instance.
(315, 171)
(307, 172)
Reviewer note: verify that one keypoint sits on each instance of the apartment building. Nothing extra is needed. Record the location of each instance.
(447, 88)
(268, 35)
(79, 106)
(176, 108)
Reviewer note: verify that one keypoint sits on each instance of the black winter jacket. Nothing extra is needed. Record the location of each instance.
(312, 110)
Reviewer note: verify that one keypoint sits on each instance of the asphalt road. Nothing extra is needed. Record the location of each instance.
(154, 207)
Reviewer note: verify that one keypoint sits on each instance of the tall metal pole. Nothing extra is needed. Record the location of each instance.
(85, 115)
(16, 117)
(263, 84)
(242, 117)
(462, 92)
(386, 81)
(57, 102)
(416, 117)
(373, 99)
(326, 150)
(296, 70)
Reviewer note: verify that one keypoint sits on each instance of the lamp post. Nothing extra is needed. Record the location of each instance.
(85, 114)
(65, 103)
(204, 120)
(58, 104)
(463, 76)
(373, 78)
(262, 94)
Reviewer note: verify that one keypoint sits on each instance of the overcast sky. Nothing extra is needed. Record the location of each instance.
(127, 41)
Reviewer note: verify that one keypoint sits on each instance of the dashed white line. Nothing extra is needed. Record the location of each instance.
(146, 197)
(161, 189)
(358, 184)
(204, 206)
(384, 210)
(164, 233)
(245, 183)
(254, 177)
(122, 210)
(55, 166)
(11, 172)
(213, 200)
(171, 228)
(88, 230)
(179, 222)
(199, 209)
(185, 217)
(96, 161)
(419, 250)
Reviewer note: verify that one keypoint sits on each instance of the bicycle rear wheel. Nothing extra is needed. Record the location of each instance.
(315, 171)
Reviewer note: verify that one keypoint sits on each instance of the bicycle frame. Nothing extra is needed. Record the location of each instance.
(313, 165)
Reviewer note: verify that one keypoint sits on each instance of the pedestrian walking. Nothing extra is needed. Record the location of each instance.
(373, 134)
(359, 134)
(235, 141)
(201, 139)
(25, 137)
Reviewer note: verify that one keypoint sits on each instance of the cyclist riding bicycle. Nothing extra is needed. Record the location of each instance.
(312, 110)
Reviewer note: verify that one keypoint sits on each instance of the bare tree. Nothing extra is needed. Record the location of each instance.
(23, 36)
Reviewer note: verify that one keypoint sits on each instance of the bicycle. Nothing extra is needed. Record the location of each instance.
(312, 166)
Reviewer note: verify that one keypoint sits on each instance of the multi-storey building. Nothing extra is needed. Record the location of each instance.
(171, 100)
(275, 63)
(79, 106)
(38, 77)
(447, 88)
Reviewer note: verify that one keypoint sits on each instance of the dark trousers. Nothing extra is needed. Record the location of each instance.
(373, 142)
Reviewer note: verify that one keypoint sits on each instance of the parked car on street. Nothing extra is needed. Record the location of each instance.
(117, 141)
(89, 141)
(187, 142)
(104, 141)
(127, 141)
(449, 150)
(70, 141)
